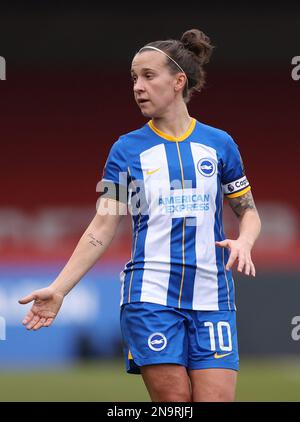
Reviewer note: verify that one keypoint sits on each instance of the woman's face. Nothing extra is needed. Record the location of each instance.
(153, 84)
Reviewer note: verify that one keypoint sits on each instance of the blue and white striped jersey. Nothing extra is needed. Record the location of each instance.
(175, 188)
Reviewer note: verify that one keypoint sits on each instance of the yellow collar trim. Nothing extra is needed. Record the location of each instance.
(173, 138)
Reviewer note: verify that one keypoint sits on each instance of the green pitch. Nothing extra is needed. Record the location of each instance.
(259, 380)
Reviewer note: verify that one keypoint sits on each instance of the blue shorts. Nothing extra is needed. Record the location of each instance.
(156, 334)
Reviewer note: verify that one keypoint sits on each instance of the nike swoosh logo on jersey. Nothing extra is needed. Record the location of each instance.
(152, 171)
(217, 356)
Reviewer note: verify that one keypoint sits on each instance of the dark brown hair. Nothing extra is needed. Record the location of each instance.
(191, 52)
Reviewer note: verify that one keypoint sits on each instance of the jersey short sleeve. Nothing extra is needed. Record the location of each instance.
(114, 183)
(234, 181)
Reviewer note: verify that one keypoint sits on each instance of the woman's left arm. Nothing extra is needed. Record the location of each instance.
(249, 229)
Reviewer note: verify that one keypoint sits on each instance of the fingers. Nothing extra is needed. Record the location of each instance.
(253, 271)
(35, 322)
(241, 253)
(39, 324)
(27, 299)
(223, 244)
(32, 322)
(232, 257)
(247, 265)
(28, 318)
(48, 322)
(241, 264)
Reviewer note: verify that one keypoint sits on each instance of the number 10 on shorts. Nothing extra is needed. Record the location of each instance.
(220, 326)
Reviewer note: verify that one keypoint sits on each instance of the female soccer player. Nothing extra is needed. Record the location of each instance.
(178, 315)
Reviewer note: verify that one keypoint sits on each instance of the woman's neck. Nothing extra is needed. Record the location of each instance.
(174, 123)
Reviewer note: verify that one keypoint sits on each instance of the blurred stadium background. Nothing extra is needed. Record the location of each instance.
(67, 97)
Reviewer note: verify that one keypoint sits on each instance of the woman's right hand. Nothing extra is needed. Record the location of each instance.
(46, 305)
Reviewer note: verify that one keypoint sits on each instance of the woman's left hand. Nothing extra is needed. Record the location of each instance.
(239, 250)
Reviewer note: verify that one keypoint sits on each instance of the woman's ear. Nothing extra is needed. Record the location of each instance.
(180, 82)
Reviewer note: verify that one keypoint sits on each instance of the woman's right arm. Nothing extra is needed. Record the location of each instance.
(91, 246)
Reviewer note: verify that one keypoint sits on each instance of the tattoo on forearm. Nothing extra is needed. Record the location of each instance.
(94, 241)
(242, 203)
